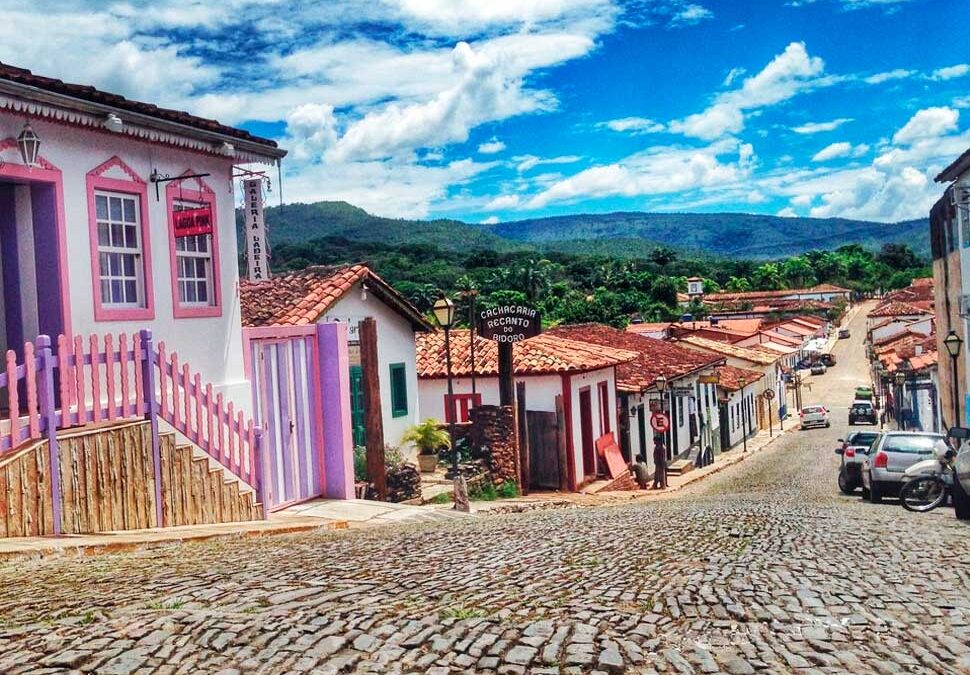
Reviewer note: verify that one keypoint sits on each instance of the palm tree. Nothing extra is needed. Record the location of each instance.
(428, 437)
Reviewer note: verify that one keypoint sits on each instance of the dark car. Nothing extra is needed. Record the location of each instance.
(827, 359)
(844, 333)
(853, 449)
(862, 412)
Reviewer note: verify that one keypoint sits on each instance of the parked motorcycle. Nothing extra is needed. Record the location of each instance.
(928, 483)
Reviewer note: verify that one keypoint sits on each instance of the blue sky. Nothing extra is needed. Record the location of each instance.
(511, 109)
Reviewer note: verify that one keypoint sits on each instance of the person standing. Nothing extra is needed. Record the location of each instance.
(660, 462)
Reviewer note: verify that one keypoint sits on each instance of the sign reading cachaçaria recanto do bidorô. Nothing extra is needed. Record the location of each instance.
(509, 323)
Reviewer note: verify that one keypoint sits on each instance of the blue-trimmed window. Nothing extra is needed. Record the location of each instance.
(399, 390)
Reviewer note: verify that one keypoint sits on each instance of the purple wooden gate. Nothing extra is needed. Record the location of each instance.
(285, 376)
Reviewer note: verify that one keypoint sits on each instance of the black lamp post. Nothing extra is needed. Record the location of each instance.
(900, 381)
(954, 344)
(444, 314)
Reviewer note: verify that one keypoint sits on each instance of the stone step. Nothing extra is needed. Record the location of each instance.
(679, 467)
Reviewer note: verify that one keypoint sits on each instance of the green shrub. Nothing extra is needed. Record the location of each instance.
(507, 490)
(484, 492)
(360, 463)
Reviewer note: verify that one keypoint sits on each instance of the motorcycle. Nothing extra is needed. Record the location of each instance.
(928, 483)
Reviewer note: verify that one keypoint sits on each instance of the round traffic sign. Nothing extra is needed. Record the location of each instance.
(769, 394)
(659, 422)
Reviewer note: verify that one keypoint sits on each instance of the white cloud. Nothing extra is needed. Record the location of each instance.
(491, 147)
(818, 127)
(792, 72)
(732, 75)
(527, 162)
(787, 212)
(636, 125)
(897, 185)
(691, 14)
(463, 16)
(502, 203)
(491, 220)
(927, 123)
(840, 150)
(312, 130)
(659, 170)
(961, 102)
(951, 72)
(889, 75)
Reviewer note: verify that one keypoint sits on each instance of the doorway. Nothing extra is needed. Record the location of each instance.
(586, 432)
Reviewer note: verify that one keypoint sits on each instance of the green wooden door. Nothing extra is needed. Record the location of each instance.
(357, 404)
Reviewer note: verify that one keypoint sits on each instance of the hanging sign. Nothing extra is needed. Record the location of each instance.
(191, 222)
(255, 230)
(509, 323)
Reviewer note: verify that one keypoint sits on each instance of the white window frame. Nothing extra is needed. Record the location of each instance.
(137, 253)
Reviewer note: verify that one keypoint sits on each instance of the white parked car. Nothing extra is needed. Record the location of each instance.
(814, 416)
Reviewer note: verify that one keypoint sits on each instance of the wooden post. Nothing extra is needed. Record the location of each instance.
(561, 444)
(257, 469)
(506, 376)
(147, 366)
(49, 414)
(373, 422)
(525, 471)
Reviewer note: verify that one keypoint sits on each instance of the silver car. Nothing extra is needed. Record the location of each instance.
(890, 455)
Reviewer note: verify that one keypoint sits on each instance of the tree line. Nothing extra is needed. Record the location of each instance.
(575, 288)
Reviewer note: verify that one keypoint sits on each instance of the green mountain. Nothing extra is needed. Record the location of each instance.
(736, 235)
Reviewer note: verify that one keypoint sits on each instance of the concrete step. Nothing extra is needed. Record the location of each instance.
(679, 467)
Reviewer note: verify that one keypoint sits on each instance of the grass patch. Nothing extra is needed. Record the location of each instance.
(443, 498)
(177, 603)
(462, 611)
(88, 618)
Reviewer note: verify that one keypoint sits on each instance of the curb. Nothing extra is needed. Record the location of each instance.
(67, 549)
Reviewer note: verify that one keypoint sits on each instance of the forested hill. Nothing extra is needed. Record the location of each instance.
(735, 235)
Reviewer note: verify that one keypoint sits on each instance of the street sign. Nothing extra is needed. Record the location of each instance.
(509, 323)
(659, 422)
(709, 379)
(768, 394)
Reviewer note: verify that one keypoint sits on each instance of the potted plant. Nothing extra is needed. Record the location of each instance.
(428, 437)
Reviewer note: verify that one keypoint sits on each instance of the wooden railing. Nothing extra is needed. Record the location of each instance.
(105, 380)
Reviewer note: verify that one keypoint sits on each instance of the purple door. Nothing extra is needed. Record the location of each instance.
(283, 384)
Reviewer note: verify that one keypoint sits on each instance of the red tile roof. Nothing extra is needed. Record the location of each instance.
(648, 327)
(897, 308)
(90, 94)
(544, 354)
(747, 354)
(732, 378)
(653, 357)
(764, 295)
(302, 298)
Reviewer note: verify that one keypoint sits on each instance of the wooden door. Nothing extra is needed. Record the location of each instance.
(586, 432)
(544, 466)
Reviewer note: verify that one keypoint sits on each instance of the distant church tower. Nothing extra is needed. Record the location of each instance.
(695, 288)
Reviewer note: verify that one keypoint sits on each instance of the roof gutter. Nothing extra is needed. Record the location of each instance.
(63, 100)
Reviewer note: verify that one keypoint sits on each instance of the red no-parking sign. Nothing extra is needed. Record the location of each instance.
(659, 422)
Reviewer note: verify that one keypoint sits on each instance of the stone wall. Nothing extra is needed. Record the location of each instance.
(492, 429)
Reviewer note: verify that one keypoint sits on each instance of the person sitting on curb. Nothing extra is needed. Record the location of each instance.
(641, 472)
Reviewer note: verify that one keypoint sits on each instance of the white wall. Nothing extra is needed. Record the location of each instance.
(212, 346)
(395, 344)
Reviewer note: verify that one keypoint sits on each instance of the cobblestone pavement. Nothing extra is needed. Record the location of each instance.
(763, 568)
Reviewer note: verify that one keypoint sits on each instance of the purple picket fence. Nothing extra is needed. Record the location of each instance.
(108, 379)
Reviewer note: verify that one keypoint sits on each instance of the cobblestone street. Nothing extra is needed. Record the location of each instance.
(764, 567)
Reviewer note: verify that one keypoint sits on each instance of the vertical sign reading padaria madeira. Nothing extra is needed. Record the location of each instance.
(509, 323)
(255, 229)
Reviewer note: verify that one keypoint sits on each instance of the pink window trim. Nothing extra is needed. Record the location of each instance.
(46, 173)
(204, 195)
(136, 186)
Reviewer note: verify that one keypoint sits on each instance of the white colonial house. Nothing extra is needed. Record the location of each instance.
(348, 295)
(581, 375)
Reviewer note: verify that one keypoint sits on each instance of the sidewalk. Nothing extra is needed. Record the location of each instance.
(544, 500)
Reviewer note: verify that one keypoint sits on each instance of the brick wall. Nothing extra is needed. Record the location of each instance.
(493, 428)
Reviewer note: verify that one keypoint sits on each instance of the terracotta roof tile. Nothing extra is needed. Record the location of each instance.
(542, 355)
(752, 355)
(732, 378)
(87, 93)
(897, 308)
(653, 357)
(301, 298)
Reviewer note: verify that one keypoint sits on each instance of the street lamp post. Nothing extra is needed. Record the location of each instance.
(444, 314)
(661, 384)
(900, 381)
(953, 344)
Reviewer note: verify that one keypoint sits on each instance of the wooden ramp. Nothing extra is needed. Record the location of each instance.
(107, 483)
